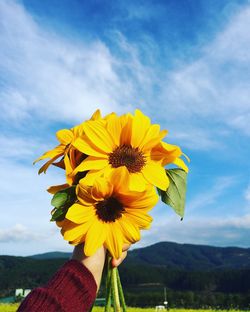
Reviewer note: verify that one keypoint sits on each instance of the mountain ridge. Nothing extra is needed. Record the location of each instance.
(179, 256)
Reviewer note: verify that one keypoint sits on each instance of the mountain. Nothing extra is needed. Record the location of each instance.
(191, 257)
(52, 255)
(192, 274)
(179, 256)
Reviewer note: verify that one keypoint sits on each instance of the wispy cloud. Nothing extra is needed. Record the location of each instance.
(55, 77)
(17, 148)
(18, 233)
(215, 87)
(60, 78)
(212, 193)
(231, 231)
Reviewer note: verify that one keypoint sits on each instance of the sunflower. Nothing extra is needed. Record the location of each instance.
(108, 213)
(71, 157)
(131, 142)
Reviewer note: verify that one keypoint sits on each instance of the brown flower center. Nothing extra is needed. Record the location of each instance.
(128, 156)
(109, 209)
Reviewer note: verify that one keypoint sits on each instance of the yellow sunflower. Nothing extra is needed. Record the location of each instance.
(71, 157)
(108, 213)
(131, 142)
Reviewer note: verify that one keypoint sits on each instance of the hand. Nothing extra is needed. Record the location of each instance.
(116, 262)
(95, 262)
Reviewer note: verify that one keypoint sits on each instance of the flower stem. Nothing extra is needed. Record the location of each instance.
(115, 292)
(124, 308)
(108, 286)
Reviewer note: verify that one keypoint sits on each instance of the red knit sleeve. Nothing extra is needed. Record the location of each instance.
(71, 289)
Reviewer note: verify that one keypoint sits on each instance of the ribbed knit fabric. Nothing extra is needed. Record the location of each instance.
(71, 289)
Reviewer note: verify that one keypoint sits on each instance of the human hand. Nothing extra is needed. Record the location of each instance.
(116, 262)
(95, 263)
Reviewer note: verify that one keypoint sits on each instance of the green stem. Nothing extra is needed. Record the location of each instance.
(108, 286)
(123, 303)
(115, 292)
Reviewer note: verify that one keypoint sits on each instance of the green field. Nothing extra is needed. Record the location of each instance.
(13, 308)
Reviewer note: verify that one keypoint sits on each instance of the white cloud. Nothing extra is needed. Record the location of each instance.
(19, 148)
(18, 233)
(215, 87)
(54, 77)
(58, 78)
(196, 139)
(227, 231)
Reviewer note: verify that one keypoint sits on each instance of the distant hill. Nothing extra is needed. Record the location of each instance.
(179, 256)
(52, 255)
(192, 274)
(191, 257)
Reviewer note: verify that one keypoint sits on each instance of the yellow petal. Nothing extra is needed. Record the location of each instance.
(130, 230)
(91, 176)
(180, 163)
(55, 188)
(151, 139)
(137, 182)
(155, 174)
(74, 231)
(119, 178)
(78, 240)
(165, 153)
(80, 214)
(47, 164)
(101, 189)
(114, 128)
(57, 151)
(152, 132)
(83, 193)
(114, 240)
(77, 131)
(96, 115)
(91, 163)
(95, 237)
(141, 124)
(126, 132)
(98, 135)
(85, 146)
(65, 136)
(68, 168)
(142, 220)
(145, 200)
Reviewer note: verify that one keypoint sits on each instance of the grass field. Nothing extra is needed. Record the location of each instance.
(13, 308)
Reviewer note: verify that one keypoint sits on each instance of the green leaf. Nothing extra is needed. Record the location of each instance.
(59, 199)
(64, 197)
(58, 214)
(62, 200)
(175, 195)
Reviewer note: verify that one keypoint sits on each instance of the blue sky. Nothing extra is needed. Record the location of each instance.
(184, 63)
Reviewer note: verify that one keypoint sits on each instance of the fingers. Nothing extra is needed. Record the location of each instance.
(125, 247)
(116, 262)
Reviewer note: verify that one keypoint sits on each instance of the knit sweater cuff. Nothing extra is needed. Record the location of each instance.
(72, 288)
(75, 284)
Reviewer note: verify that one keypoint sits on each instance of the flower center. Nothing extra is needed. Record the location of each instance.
(128, 156)
(109, 209)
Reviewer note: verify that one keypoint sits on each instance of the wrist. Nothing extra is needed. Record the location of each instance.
(94, 263)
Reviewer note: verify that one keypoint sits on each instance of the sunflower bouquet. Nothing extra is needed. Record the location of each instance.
(115, 173)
